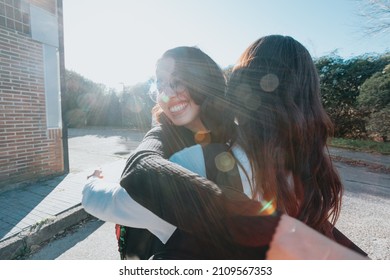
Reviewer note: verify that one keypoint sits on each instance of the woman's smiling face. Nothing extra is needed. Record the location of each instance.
(174, 98)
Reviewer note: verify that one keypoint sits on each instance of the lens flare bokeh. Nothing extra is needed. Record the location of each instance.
(225, 162)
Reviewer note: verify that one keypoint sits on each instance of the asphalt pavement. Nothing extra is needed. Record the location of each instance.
(33, 213)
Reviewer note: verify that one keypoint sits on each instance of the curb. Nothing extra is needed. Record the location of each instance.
(19, 245)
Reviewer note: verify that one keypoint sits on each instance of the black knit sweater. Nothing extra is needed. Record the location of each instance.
(190, 202)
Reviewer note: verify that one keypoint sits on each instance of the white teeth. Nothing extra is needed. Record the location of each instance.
(177, 108)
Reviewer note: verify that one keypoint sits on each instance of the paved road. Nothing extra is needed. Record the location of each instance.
(93, 147)
(365, 215)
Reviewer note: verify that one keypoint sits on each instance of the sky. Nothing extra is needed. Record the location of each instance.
(117, 42)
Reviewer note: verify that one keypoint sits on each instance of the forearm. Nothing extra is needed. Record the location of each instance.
(172, 192)
(186, 200)
(181, 197)
(295, 240)
(109, 202)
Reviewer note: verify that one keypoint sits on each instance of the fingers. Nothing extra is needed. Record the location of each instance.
(97, 173)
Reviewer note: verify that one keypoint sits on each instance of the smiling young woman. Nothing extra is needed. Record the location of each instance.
(189, 95)
(174, 98)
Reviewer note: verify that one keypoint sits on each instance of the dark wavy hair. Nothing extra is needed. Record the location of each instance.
(206, 84)
(275, 92)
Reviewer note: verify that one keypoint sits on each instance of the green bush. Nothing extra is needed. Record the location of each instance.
(375, 91)
(378, 126)
(76, 118)
(374, 98)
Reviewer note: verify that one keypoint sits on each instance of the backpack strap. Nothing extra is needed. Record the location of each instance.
(221, 166)
(120, 232)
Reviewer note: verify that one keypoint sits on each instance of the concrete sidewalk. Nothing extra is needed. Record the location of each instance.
(35, 213)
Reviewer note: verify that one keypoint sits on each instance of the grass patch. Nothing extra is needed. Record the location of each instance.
(361, 145)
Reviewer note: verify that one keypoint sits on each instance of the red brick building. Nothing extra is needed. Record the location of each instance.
(31, 66)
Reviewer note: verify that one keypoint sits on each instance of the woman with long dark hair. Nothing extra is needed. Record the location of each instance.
(283, 129)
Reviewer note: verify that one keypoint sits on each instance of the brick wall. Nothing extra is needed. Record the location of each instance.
(28, 150)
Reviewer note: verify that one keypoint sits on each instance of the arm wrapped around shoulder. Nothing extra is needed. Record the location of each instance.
(252, 231)
(293, 240)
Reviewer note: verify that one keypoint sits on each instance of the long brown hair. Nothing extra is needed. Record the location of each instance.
(206, 84)
(283, 127)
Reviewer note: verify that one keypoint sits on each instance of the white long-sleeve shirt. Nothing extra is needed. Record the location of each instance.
(108, 201)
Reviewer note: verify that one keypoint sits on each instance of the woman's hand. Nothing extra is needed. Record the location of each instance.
(97, 173)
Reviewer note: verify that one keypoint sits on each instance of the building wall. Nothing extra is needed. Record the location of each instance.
(31, 145)
(48, 5)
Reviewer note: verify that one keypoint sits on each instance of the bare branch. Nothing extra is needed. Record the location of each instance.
(377, 15)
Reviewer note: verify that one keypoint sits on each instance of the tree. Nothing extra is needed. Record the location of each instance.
(378, 125)
(137, 106)
(375, 91)
(340, 82)
(374, 99)
(113, 116)
(83, 100)
(377, 14)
